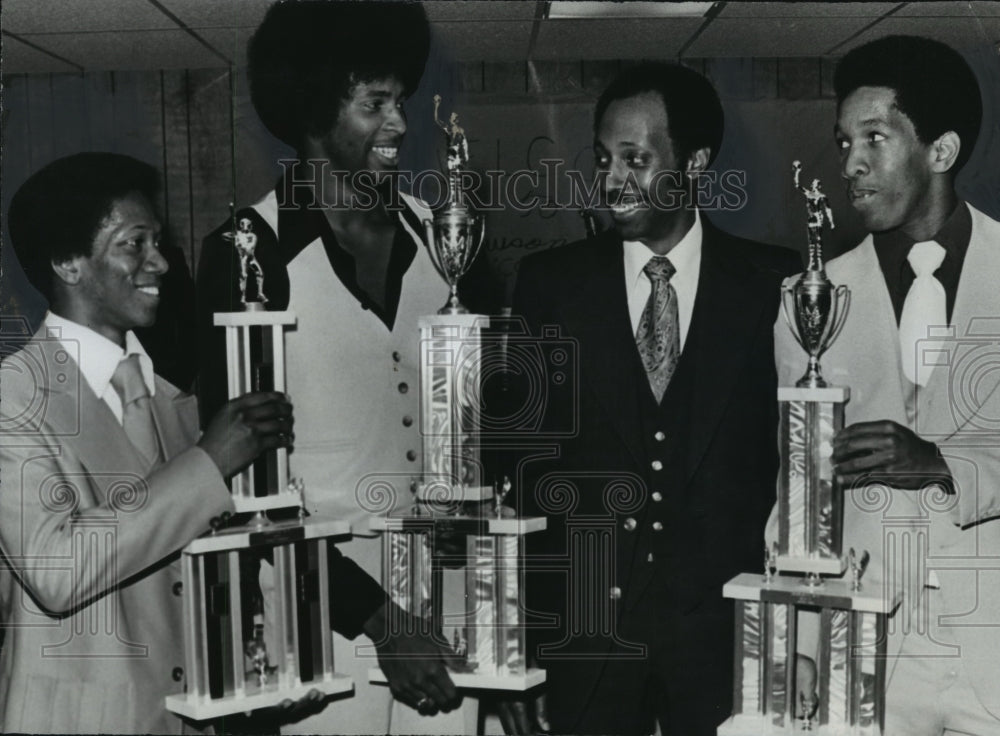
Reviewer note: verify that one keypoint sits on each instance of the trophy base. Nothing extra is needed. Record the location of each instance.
(758, 725)
(254, 307)
(834, 566)
(530, 678)
(475, 525)
(443, 494)
(202, 708)
(450, 308)
(789, 589)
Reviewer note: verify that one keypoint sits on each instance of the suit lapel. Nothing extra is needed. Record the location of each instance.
(956, 390)
(724, 322)
(598, 316)
(175, 414)
(101, 444)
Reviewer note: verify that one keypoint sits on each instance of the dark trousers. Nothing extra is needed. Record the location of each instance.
(683, 680)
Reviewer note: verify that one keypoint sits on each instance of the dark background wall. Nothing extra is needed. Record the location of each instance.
(188, 123)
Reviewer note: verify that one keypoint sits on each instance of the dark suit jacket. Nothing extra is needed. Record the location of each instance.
(638, 495)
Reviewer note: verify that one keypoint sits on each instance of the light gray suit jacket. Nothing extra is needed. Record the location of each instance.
(89, 534)
(907, 532)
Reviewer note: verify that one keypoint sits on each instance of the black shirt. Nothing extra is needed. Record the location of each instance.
(894, 246)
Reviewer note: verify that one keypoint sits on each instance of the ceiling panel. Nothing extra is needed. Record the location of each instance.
(218, 13)
(230, 42)
(940, 10)
(962, 33)
(480, 10)
(128, 50)
(805, 10)
(496, 41)
(780, 37)
(618, 38)
(19, 58)
(63, 16)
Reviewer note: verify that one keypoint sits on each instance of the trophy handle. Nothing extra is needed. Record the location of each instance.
(841, 306)
(788, 309)
(478, 235)
(435, 258)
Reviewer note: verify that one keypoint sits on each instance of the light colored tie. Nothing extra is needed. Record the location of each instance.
(925, 306)
(658, 336)
(137, 411)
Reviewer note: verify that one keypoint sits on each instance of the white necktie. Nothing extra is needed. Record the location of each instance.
(925, 307)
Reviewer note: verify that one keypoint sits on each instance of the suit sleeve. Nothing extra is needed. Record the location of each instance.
(66, 549)
(354, 595)
(975, 474)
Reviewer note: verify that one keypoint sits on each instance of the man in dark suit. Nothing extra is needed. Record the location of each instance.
(659, 490)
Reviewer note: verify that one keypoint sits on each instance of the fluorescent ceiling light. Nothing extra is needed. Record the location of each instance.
(606, 9)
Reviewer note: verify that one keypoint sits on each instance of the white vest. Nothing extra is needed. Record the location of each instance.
(353, 383)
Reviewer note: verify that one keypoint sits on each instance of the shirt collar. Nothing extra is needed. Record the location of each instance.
(97, 356)
(893, 247)
(301, 222)
(683, 256)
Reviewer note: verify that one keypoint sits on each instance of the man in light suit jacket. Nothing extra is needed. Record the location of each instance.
(658, 487)
(105, 478)
(919, 460)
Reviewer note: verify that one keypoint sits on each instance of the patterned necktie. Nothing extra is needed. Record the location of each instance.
(925, 306)
(137, 412)
(659, 335)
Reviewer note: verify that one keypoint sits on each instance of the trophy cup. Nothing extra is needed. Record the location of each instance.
(249, 644)
(473, 598)
(851, 619)
(455, 234)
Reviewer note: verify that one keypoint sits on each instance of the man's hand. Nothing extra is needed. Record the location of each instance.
(522, 714)
(246, 427)
(888, 450)
(412, 660)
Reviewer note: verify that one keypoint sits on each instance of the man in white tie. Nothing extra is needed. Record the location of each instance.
(105, 477)
(919, 461)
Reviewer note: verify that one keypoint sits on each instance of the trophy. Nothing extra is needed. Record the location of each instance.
(814, 309)
(455, 234)
(851, 618)
(810, 507)
(257, 623)
(472, 592)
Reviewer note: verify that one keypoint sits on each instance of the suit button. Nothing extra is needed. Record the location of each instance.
(649, 557)
(656, 465)
(411, 455)
(615, 593)
(630, 524)
(177, 587)
(403, 388)
(657, 526)
(657, 496)
(177, 674)
(396, 356)
(659, 436)
(407, 421)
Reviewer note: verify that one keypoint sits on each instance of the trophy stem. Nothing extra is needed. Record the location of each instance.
(812, 378)
(453, 305)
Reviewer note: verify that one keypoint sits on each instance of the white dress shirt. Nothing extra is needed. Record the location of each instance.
(686, 260)
(98, 357)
